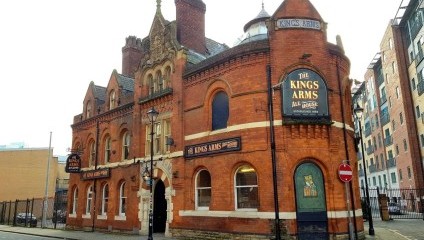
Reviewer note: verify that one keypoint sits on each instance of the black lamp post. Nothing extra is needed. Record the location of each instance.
(358, 115)
(152, 114)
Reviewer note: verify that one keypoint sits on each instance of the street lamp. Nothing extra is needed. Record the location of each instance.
(358, 115)
(152, 114)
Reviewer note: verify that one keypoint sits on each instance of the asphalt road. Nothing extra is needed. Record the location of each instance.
(409, 229)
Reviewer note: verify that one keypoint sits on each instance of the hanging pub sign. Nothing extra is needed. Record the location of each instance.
(304, 97)
(73, 163)
(208, 148)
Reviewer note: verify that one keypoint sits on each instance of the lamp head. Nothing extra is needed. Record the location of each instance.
(358, 111)
(153, 114)
(146, 175)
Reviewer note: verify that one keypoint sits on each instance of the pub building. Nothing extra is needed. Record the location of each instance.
(246, 143)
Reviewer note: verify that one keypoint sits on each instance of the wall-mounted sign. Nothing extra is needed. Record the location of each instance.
(94, 174)
(73, 163)
(304, 95)
(298, 23)
(220, 146)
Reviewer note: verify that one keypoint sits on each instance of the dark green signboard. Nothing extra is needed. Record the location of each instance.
(304, 95)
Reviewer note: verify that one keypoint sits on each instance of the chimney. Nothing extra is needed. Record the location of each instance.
(190, 15)
(131, 56)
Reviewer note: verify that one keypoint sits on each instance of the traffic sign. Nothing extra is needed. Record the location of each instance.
(345, 172)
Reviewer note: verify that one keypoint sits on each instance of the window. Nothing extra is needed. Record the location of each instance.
(159, 79)
(107, 149)
(390, 101)
(384, 179)
(405, 145)
(390, 43)
(400, 175)
(92, 152)
(417, 111)
(374, 181)
(112, 100)
(74, 201)
(413, 84)
(151, 84)
(393, 177)
(88, 110)
(382, 160)
(220, 111)
(397, 93)
(393, 125)
(393, 67)
(246, 188)
(203, 189)
(157, 144)
(126, 146)
(122, 200)
(408, 169)
(401, 118)
(167, 77)
(161, 132)
(422, 140)
(89, 200)
(105, 199)
(379, 181)
(397, 150)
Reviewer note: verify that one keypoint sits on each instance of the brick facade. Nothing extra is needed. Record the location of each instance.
(181, 86)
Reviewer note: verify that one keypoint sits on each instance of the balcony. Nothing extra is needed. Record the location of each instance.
(157, 94)
(420, 87)
(372, 168)
(370, 150)
(419, 57)
(388, 141)
(367, 131)
(380, 79)
(384, 119)
(383, 99)
(391, 163)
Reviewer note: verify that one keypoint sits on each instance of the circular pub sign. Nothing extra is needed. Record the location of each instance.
(345, 172)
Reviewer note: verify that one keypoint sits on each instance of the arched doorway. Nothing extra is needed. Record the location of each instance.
(159, 208)
(311, 210)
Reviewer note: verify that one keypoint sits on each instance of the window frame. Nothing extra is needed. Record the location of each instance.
(197, 188)
(122, 199)
(105, 199)
(126, 142)
(236, 187)
(108, 149)
(220, 110)
(74, 201)
(89, 200)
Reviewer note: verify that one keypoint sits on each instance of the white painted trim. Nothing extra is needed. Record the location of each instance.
(120, 218)
(72, 215)
(86, 216)
(248, 126)
(102, 217)
(260, 215)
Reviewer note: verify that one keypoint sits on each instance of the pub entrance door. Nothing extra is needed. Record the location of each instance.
(159, 208)
(311, 210)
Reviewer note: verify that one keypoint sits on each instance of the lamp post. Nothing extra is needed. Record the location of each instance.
(358, 114)
(152, 114)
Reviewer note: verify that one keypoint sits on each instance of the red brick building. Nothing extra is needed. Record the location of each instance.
(217, 157)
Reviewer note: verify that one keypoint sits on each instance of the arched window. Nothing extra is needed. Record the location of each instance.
(126, 145)
(203, 190)
(220, 111)
(88, 110)
(122, 200)
(92, 152)
(107, 149)
(159, 80)
(167, 77)
(74, 201)
(246, 188)
(105, 199)
(112, 99)
(89, 200)
(151, 84)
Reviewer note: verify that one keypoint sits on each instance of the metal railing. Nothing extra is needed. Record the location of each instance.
(391, 162)
(388, 141)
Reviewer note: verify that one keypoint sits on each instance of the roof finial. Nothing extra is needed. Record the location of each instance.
(158, 2)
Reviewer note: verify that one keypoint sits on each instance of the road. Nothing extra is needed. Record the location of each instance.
(17, 236)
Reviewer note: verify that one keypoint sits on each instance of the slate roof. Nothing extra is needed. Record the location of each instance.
(126, 83)
(99, 92)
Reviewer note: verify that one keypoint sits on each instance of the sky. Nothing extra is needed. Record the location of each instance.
(50, 50)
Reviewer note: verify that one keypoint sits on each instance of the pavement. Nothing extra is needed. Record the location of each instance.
(405, 229)
(76, 235)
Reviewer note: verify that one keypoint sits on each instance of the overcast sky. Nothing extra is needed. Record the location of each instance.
(50, 50)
